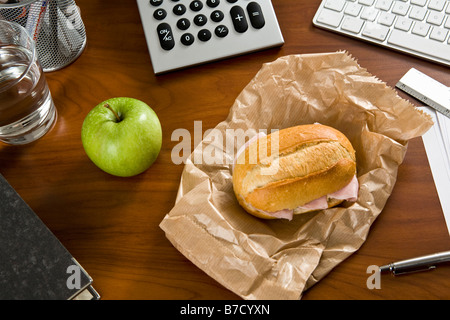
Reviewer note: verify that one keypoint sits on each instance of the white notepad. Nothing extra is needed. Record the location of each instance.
(437, 146)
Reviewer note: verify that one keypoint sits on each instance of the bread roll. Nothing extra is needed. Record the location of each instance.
(310, 165)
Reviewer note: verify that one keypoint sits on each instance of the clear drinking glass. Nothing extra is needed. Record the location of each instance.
(27, 111)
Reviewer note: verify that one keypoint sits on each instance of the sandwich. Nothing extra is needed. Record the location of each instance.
(295, 170)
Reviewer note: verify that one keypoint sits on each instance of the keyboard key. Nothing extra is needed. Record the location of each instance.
(438, 34)
(418, 13)
(384, 5)
(400, 8)
(420, 44)
(375, 31)
(353, 9)
(420, 29)
(386, 18)
(435, 18)
(403, 23)
(437, 4)
(329, 17)
(447, 23)
(336, 5)
(419, 2)
(366, 2)
(352, 24)
(369, 14)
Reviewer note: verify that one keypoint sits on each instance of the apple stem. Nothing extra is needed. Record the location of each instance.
(115, 113)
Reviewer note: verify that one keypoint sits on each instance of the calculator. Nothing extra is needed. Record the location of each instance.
(184, 33)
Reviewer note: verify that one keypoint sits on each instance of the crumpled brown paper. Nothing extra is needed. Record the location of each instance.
(279, 259)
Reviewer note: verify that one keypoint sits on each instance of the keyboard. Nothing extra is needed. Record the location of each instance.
(417, 27)
(184, 33)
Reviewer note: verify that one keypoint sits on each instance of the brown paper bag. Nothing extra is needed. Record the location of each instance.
(279, 259)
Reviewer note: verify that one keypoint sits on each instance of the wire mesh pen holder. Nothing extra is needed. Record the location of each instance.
(55, 25)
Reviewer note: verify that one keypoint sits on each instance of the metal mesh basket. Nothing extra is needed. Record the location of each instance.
(55, 25)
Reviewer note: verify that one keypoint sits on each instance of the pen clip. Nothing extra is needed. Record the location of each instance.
(403, 271)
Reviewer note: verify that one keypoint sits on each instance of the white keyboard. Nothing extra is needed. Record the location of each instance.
(182, 33)
(417, 27)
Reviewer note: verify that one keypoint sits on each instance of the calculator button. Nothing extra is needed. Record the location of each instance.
(231, 1)
(196, 5)
(156, 2)
(159, 14)
(183, 24)
(221, 31)
(200, 20)
(187, 39)
(217, 16)
(256, 15)
(204, 35)
(239, 21)
(212, 3)
(165, 36)
(179, 9)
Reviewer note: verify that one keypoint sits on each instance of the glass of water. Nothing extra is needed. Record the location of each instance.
(27, 111)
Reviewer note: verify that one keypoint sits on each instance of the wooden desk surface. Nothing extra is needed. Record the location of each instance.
(111, 225)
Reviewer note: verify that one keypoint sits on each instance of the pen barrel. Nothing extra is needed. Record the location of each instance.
(419, 263)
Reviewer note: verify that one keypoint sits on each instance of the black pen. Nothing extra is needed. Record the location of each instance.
(421, 263)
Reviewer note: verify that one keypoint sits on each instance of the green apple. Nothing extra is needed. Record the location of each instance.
(122, 136)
